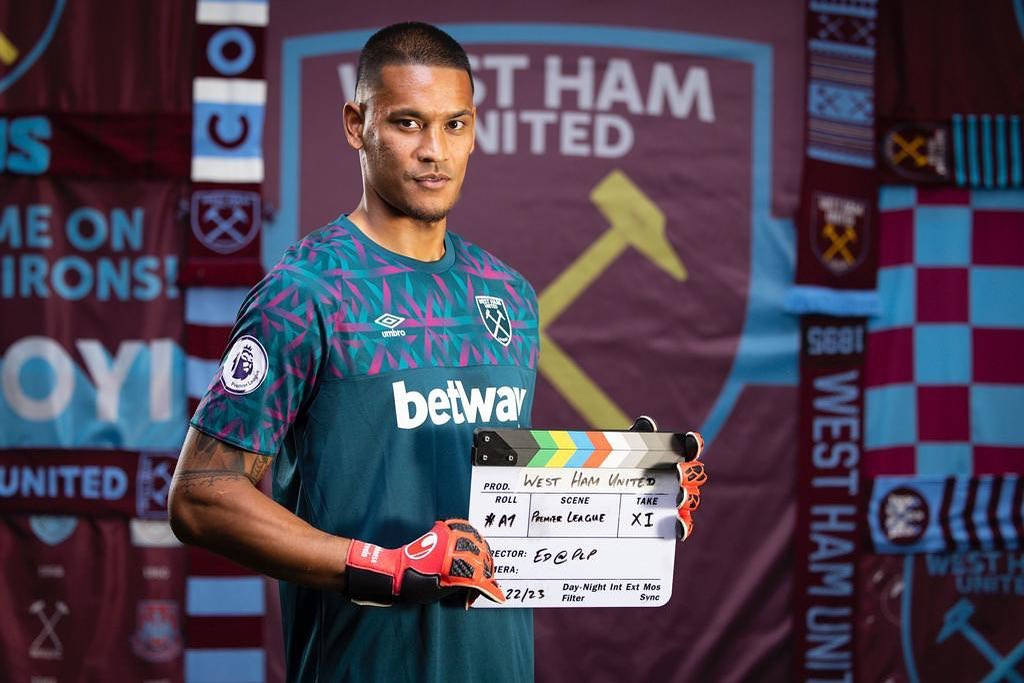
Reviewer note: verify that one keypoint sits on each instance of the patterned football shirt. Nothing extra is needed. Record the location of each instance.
(364, 373)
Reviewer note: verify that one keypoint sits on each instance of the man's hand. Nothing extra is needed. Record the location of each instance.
(452, 556)
(691, 474)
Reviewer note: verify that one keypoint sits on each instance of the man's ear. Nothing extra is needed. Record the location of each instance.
(353, 120)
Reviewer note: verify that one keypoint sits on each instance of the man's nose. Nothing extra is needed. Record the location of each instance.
(433, 145)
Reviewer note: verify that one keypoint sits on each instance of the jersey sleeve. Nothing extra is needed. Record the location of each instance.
(271, 365)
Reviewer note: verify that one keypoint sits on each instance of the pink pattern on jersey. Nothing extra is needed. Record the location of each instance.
(335, 283)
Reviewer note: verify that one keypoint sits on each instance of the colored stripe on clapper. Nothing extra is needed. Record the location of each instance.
(547, 447)
(620, 449)
(638, 447)
(566, 449)
(601, 449)
(575, 449)
(584, 448)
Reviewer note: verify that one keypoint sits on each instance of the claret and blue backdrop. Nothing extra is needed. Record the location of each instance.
(795, 226)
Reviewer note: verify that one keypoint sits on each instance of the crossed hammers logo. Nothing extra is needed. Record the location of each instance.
(909, 148)
(839, 243)
(957, 620)
(225, 224)
(47, 645)
(634, 221)
(501, 324)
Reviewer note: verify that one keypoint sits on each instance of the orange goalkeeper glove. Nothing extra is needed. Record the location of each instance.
(691, 477)
(451, 557)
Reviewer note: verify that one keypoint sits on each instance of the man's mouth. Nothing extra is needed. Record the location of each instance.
(432, 180)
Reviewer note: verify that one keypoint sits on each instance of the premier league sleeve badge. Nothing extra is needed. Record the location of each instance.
(245, 366)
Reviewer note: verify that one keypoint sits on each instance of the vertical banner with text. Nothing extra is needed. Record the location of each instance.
(829, 519)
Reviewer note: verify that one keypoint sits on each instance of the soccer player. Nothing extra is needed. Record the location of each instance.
(358, 368)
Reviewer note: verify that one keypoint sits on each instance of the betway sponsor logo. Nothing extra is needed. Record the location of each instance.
(453, 403)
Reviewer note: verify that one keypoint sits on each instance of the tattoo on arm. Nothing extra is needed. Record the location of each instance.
(209, 460)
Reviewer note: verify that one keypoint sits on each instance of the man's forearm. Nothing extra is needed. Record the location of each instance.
(214, 503)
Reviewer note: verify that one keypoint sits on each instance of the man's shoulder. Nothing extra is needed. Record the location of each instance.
(480, 262)
(312, 268)
(327, 251)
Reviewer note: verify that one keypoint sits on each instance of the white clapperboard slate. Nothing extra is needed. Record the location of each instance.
(578, 518)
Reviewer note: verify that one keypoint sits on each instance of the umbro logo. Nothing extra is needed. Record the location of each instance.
(390, 321)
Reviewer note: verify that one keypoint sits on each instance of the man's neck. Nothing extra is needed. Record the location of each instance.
(403, 235)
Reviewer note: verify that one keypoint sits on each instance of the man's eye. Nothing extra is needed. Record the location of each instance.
(407, 123)
(456, 125)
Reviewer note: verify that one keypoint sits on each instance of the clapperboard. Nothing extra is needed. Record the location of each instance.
(578, 518)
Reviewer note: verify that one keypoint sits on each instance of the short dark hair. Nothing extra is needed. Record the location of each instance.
(410, 42)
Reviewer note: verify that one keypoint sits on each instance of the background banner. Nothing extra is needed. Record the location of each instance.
(828, 518)
(941, 617)
(945, 514)
(225, 635)
(641, 166)
(86, 482)
(944, 375)
(94, 156)
(837, 248)
(951, 101)
(90, 598)
(89, 273)
(118, 56)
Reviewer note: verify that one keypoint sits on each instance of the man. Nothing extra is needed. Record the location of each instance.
(359, 367)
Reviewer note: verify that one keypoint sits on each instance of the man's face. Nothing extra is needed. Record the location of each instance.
(417, 136)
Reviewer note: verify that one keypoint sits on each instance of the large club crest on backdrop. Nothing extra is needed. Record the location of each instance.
(20, 49)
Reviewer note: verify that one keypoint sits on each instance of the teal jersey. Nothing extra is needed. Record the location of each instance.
(364, 373)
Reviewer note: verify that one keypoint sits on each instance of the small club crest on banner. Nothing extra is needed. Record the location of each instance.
(918, 152)
(495, 316)
(153, 484)
(225, 221)
(157, 636)
(839, 232)
(903, 516)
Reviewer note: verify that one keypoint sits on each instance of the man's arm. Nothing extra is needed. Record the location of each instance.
(214, 502)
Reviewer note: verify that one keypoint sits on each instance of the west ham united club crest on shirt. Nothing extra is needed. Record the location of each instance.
(495, 316)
